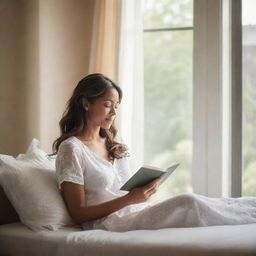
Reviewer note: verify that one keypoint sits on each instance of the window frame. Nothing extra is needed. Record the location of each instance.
(217, 98)
(217, 121)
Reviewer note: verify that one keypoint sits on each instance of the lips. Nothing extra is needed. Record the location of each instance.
(109, 119)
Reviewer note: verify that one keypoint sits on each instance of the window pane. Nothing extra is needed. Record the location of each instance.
(168, 106)
(166, 13)
(249, 98)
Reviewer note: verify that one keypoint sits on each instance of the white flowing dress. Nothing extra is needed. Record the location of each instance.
(102, 181)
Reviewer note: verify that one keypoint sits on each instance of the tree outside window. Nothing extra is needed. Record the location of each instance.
(168, 49)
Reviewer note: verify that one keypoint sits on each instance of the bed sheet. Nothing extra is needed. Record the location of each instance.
(16, 239)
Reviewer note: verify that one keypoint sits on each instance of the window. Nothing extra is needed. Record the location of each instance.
(168, 50)
(249, 96)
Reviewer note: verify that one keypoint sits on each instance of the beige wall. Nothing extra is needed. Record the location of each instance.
(18, 74)
(45, 47)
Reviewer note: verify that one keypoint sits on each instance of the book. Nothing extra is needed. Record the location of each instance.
(146, 174)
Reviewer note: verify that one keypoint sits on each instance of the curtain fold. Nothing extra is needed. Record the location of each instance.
(104, 44)
(117, 51)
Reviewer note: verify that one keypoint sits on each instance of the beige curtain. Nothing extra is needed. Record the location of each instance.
(104, 44)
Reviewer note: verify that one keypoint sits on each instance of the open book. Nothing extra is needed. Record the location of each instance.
(146, 174)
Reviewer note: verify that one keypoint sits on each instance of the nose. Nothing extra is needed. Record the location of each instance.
(113, 111)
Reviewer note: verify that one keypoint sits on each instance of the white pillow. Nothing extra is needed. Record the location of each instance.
(37, 156)
(30, 184)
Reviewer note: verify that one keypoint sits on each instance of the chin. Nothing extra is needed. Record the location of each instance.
(106, 127)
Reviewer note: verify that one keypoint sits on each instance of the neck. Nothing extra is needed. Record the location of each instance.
(91, 134)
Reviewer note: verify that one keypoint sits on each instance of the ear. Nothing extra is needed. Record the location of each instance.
(85, 104)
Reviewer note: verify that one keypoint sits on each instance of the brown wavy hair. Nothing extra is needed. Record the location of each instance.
(73, 121)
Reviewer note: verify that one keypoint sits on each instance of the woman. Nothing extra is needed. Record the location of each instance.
(92, 165)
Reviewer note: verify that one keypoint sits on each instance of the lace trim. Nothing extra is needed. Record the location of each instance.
(70, 178)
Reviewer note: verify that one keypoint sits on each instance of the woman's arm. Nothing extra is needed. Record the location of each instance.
(75, 199)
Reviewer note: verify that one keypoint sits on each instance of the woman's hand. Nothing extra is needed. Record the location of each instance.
(142, 194)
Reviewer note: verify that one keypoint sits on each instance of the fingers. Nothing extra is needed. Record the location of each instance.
(150, 192)
(153, 183)
(142, 194)
(152, 186)
(156, 180)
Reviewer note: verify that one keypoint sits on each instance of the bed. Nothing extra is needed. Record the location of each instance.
(21, 199)
(17, 239)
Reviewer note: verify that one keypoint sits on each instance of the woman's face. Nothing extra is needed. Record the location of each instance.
(102, 111)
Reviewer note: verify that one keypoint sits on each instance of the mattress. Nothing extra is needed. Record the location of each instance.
(17, 239)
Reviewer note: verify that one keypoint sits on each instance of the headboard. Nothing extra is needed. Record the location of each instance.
(7, 213)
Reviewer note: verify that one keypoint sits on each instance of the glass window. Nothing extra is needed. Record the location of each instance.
(168, 50)
(249, 97)
(167, 14)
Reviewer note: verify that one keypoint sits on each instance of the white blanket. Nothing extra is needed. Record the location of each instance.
(185, 210)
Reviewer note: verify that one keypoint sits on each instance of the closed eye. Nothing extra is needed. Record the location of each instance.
(110, 106)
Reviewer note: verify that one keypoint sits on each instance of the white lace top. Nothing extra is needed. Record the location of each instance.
(102, 180)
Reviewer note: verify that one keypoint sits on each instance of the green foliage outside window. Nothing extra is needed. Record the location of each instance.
(168, 92)
(249, 111)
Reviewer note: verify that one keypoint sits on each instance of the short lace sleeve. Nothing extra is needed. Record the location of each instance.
(69, 166)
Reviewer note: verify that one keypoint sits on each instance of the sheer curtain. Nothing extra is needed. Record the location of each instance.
(117, 51)
(130, 78)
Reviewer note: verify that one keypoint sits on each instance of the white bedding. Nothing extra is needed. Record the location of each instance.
(16, 239)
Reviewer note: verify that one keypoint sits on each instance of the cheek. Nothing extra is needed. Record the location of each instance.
(99, 114)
